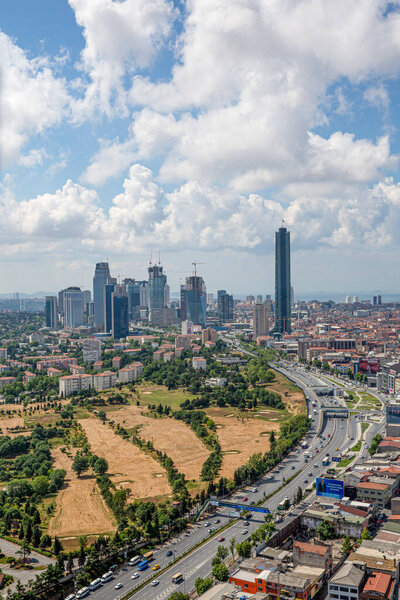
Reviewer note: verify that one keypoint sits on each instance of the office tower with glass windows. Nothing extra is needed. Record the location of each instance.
(50, 310)
(73, 307)
(100, 279)
(108, 291)
(157, 283)
(282, 282)
(120, 318)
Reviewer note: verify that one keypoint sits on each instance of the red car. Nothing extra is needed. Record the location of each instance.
(221, 539)
(317, 450)
(245, 499)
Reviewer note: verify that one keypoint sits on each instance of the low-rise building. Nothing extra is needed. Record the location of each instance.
(98, 365)
(77, 369)
(168, 356)
(347, 583)
(216, 381)
(199, 363)
(379, 586)
(116, 362)
(28, 375)
(6, 381)
(343, 523)
(3, 352)
(314, 555)
(370, 491)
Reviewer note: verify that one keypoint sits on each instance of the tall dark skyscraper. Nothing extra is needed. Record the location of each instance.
(157, 283)
(282, 282)
(225, 306)
(108, 291)
(101, 277)
(50, 311)
(194, 300)
(120, 317)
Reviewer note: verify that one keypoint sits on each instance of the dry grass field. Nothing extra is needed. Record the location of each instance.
(80, 509)
(295, 400)
(240, 437)
(129, 468)
(168, 435)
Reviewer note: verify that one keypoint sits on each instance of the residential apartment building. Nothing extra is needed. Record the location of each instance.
(91, 350)
(74, 383)
(199, 363)
(105, 380)
(130, 372)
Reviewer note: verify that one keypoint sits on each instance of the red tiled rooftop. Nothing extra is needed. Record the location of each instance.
(380, 583)
(307, 547)
(369, 485)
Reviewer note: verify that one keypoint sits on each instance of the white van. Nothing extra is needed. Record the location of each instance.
(135, 560)
(82, 593)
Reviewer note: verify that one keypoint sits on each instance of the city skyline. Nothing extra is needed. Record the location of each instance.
(98, 162)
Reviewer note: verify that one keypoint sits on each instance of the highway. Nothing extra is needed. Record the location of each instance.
(333, 434)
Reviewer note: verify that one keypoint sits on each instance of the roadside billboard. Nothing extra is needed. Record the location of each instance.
(329, 488)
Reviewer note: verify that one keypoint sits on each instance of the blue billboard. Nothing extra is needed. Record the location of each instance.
(329, 488)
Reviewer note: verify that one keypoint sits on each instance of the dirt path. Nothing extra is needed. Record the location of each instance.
(129, 467)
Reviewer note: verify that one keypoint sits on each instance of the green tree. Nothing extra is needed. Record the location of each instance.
(347, 545)
(80, 464)
(57, 546)
(40, 485)
(202, 585)
(81, 557)
(70, 564)
(326, 531)
(244, 549)
(179, 596)
(232, 547)
(222, 552)
(365, 535)
(28, 531)
(220, 572)
(36, 536)
(100, 466)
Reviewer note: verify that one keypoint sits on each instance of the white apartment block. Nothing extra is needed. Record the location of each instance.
(130, 372)
(74, 383)
(199, 363)
(91, 349)
(105, 380)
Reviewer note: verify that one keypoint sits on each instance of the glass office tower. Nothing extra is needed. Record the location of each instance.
(282, 282)
(100, 279)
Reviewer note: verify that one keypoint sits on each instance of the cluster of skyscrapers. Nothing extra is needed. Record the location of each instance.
(115, 304)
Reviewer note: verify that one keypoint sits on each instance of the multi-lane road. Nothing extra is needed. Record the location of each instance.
(326, 435)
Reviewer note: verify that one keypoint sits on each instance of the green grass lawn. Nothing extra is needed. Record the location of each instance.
(356, 447)
(158, 394)
(364, 426)
(345, 462)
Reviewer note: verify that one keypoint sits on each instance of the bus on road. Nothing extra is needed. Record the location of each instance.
(148, 556)
(142, 565)
(326, 460)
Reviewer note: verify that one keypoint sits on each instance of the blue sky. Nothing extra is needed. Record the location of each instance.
(190, 128)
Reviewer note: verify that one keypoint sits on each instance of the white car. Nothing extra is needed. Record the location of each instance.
(154, 582)
(135, 576)
(118, 586)
(244, 531)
